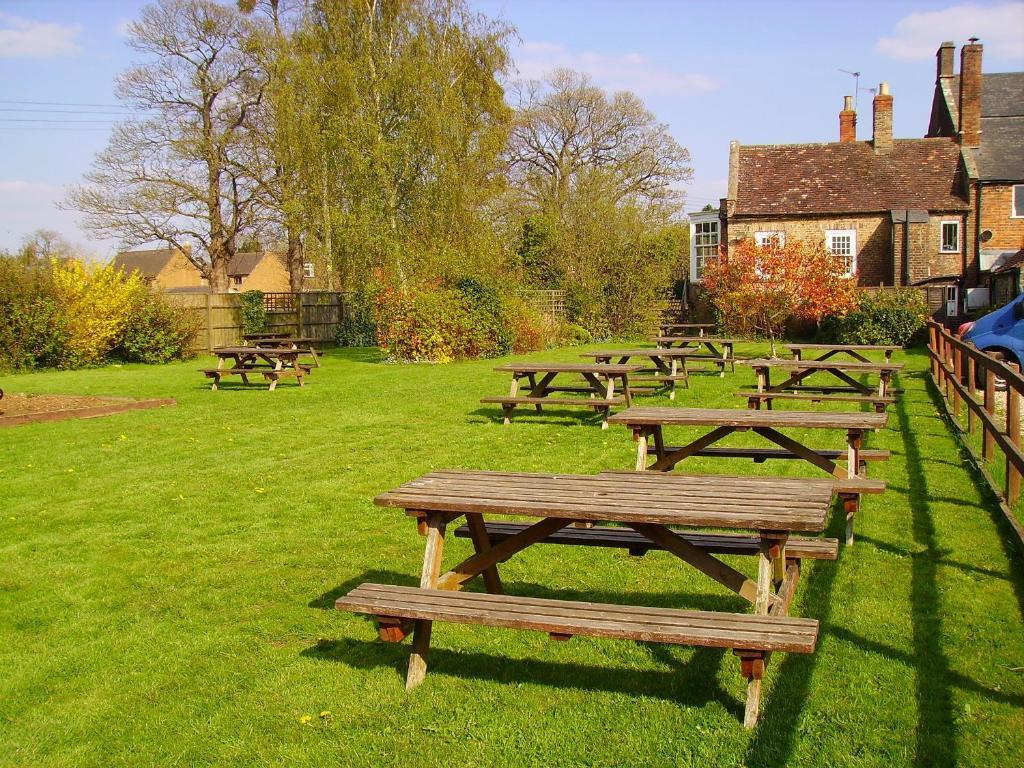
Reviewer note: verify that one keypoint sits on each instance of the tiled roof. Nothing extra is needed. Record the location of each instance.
(838, 178)
(243, 264)
(1001, 154)
(147, 263)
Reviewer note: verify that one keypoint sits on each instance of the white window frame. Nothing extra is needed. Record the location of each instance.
(762, 238)
(942, 239)
(852, 234)
(308, 270)
(696, 264)
(1014, 213)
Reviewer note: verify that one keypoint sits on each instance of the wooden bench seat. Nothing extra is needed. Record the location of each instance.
(754, 399)
(271, 374)
(638, 544)
(760, 455)
(590, 402)
(564, 618)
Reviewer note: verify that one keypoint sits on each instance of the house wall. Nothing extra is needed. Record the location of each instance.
(997, 216)
(269, 276)
(874, 239)
(179, 272)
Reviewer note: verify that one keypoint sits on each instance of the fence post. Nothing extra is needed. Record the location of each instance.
(298, 310)
(209, 322)
(972, 389)
(933, 349)
(1012, 432)
(958, 377)
(987, 438)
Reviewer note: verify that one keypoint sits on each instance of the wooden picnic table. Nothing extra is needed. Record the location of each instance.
(801, 369)
(647, 425)
(719, 357)
(681, 329)
(264, 335)
(272, 363)
(666, 366)
(289, 342)
(646, 505)
(598, 382)
(856, 351)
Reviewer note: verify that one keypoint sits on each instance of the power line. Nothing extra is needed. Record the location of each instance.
(64, 111)
(59, 103)
(50, 120)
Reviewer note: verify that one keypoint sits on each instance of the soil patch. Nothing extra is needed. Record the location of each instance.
(18, 408)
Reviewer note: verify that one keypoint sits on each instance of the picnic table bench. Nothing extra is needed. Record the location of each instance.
(666, 367)
(598, 381)
(799, 370)
(767, 510)
(856, 351)
(273, 363)
(682, 329)
(718, 357)
(647, 426)
(285, 341)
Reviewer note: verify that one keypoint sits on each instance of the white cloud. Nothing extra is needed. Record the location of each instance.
(22, 38)
(917, 36)
(628, 71)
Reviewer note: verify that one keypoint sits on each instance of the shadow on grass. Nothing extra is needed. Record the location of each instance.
(689, 682)
(892, 549)
(525, 414)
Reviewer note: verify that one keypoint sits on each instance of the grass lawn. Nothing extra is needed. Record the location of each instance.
(167, 580)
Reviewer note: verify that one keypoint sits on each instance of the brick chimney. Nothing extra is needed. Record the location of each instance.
(847, 121)
(882, 134)
(944, 60)
(970, 94)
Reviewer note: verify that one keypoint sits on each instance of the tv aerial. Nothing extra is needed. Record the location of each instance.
(856, 86)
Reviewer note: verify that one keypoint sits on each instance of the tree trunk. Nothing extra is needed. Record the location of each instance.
(293, 260)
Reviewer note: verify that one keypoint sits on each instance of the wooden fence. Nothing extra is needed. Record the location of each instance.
(550, 303)
(315, 314)
(957, 369)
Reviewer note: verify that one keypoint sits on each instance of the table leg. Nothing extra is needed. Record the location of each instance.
(851, 501)
(532, 378)
(428, 580)
(641, 435)
(482, 543)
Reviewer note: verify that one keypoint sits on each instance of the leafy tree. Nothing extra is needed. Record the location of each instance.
(758, 289)
(174, 174)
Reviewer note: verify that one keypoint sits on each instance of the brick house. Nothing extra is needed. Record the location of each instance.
(164, 268)
(984, 113)
(901, 211)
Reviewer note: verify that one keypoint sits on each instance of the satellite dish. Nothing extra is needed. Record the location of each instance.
(986, 235)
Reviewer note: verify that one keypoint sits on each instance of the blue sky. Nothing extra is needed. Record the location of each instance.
(760, 72)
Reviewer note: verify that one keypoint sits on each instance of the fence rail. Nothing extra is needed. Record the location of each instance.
(316, 314)
(957, 367)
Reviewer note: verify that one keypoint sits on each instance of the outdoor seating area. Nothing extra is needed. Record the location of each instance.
(274, 362)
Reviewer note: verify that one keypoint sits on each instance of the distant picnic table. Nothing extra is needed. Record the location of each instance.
(684, 329)
(598, 382)
(849, 389)
(856, 351)
(766, 510)
(272, 363)
(647, 426)
(719, 357)
(666, 367)
(285, 341)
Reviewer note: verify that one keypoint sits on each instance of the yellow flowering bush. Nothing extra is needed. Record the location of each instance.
(98, 302)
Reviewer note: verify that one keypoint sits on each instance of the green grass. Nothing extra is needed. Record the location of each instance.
(167, 577)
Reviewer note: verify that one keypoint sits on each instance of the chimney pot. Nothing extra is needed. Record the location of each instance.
(847, 121)
(970, 94)
(882, 124)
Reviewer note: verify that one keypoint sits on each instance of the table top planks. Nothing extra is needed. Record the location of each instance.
(822, 365)
(598, 368)
(265, 351)
(735, 417)
(693, 339)
(643, 352)
(720, 501)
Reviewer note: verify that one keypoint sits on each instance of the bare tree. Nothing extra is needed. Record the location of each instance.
(43, 245)
(172, 174)
(568, 130)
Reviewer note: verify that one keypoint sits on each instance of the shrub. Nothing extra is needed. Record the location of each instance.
(357, 327)
(33, 331)
(253, 311)
(157, 332)
(890, 316)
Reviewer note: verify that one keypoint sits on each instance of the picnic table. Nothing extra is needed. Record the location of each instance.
(856, 351)
(598, 382)
(264, 335)
(272, 363)
(665, 367)
(766, 511)
(682, 329)
(720, 357)
(647, 425)
(288, 342)
(849, 389)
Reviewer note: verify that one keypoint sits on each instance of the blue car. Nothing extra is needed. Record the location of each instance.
(999, 331)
